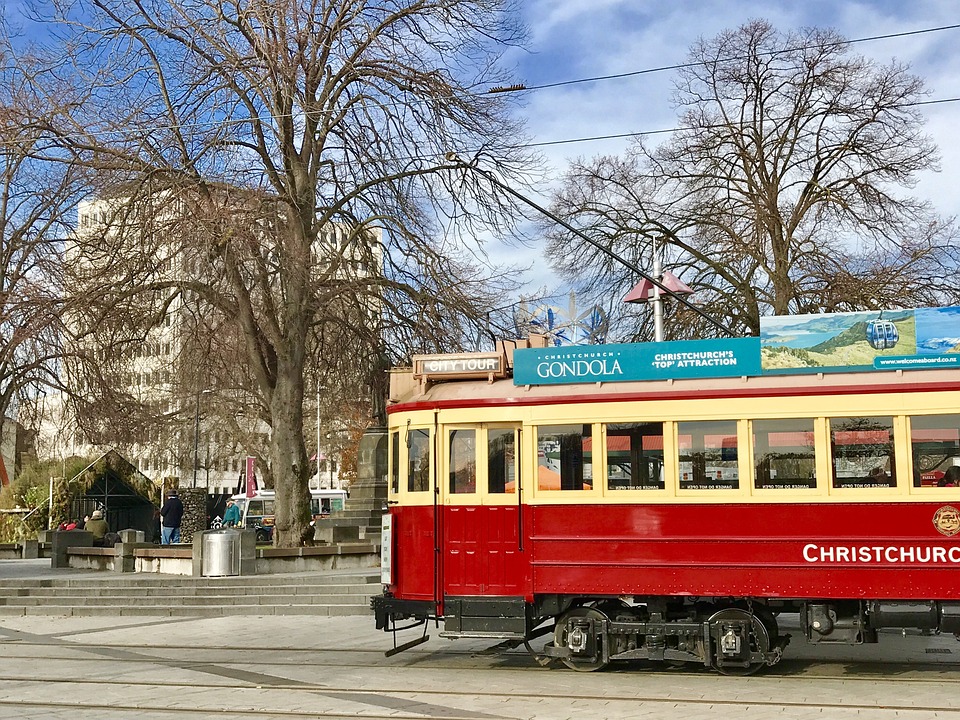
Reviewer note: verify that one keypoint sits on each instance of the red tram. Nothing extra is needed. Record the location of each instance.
(669, 519)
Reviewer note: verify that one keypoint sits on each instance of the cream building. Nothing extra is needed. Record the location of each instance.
(199, 438)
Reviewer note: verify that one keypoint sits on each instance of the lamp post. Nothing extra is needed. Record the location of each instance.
(657, 302)
(330, 457)
(196, 437)
(646, 291)
(319, 388)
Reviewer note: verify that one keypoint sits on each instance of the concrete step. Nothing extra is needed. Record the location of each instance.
(142, 594)
(266, 599)
(181, 610)
(95, 579)
(122, 591)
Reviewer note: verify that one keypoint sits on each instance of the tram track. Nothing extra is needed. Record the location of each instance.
(448, 659)
(444, 699)
(56, 675)
(811, 672)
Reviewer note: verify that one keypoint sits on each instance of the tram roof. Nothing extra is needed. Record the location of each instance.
(481, 392)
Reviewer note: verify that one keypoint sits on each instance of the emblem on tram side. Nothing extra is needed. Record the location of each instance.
(947, 520)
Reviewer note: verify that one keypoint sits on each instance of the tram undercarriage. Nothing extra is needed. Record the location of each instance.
(734, 636)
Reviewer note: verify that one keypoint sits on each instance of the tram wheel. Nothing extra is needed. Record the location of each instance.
(560, 638)
(759, 640)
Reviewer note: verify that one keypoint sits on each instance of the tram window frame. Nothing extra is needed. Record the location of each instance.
(699, 457)
(886, 479)
(457, 485)
(504, 489)
(937, 423)
(395, 462)
(767, 427)
(640, 459)
(566, 483)
(412, 486)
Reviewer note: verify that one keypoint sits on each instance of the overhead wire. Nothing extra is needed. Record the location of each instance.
(524, 88)
(682, 66)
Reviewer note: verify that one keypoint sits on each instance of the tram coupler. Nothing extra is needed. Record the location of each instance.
(732, 642)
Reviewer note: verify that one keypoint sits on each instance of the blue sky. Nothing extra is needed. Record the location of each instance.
(574, 39)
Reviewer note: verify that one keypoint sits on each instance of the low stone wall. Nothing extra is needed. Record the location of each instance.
(90, 558)
(24, 550)
(167, 560)
(320, 557)
(186, 559)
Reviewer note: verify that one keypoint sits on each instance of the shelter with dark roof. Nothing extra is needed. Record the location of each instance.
(113, 485)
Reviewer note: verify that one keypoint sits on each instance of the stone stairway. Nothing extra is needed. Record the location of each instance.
(87, 594)
(361, 516)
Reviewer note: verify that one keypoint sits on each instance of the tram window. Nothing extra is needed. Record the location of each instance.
(395, 461)
(463, 461)
(708, 455)
(501, 473)
(418, 460)
(635, 456)
(935, 447)
(862, 452)
(564, 457)
(784, 457)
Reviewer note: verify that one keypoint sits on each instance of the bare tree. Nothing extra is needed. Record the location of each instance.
(38, 187)
(780, 192)
(289, 154)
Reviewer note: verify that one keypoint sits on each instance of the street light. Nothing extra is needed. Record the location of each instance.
(646, 291)
(319, 388)
(196, 437)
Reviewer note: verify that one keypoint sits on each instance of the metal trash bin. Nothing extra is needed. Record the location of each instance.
(221, 552)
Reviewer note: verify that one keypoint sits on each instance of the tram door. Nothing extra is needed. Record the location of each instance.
(414, 518)
(481, 527)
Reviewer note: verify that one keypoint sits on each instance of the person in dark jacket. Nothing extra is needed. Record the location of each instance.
(98, 526)
(171, 514)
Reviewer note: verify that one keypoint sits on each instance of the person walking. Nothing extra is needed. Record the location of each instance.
(171, 514)
(231, 517)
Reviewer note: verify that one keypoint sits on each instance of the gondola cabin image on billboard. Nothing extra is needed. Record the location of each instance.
(882, 334)
(667, 501)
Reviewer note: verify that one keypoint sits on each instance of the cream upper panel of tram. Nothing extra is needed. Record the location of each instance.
(600, 409)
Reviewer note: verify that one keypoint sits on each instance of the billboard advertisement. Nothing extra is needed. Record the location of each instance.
(873, 340)
(788, 344)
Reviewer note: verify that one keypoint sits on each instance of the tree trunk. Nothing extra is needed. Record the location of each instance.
(290, 466)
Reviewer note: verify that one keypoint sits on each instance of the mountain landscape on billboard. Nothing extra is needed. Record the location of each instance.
(843, 340)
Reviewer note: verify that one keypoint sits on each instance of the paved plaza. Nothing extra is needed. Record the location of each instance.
(157, 668)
